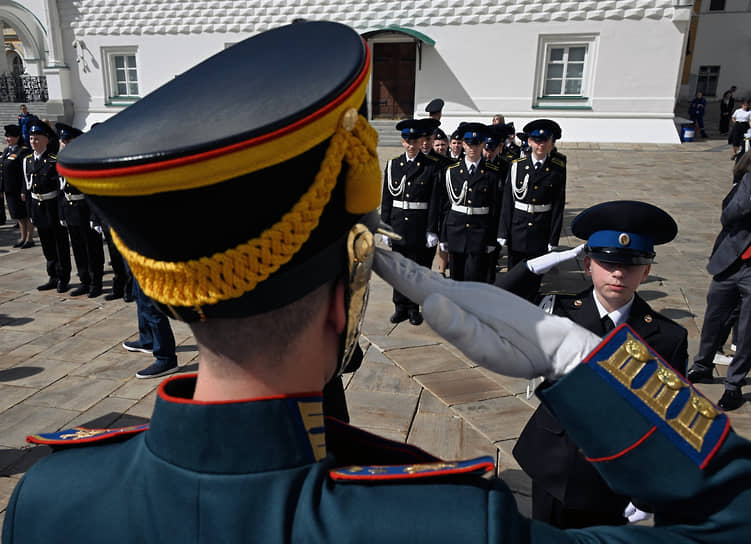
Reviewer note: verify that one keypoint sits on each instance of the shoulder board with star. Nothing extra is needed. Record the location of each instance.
(371, 473)
(676, 410)
(81, 436)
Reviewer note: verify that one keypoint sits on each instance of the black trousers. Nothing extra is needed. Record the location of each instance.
(56, 249)
(725, 291)
(546, 508)
(422, 256)
(469, 266)
(122, 282)
(88, 252)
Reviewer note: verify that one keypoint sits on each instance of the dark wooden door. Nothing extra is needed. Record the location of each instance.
(393, 80)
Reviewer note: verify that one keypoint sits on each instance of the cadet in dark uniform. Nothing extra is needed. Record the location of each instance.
(491, 152)
(510, 151)
(469, 203)
(42, 185)
(535, 195)
(13, 185)
(440, 142)
(456, 151)
(567, 491)
(241, 451)
(88, 250)
(408, 185)
(434, 108)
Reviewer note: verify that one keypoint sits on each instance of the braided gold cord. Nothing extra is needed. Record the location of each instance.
(231, 273)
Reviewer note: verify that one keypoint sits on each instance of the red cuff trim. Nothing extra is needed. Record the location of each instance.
(624, 452)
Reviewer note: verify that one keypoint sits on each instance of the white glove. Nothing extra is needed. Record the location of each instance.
(489, 249)
(432, 239)
(501, 242)
(550, 248)
(98, 228)
(540, 265)
(493, 327)
(635, 515)
(443, 246)
(63, 223)
(386, 240)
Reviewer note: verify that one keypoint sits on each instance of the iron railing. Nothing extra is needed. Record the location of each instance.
(14, 88)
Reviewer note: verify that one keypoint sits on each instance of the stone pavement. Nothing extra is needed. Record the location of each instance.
(62, 364)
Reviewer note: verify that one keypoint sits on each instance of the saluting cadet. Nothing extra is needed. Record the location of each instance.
(88, 249)
(13, 185)
(241, 451)
(469, 202)
(435, 109)
(42, 185)
(408, 185)
(567, 490)
(535, 195)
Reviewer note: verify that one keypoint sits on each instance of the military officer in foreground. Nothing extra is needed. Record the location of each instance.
(409, 182)
(88, 249)
(42, 186)
(241, 451)
(534, 196)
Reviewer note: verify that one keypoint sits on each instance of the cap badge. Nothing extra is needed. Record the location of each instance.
(578, 302)
(648, 318)
(624, 239)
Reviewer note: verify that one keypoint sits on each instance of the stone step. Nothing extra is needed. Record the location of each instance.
(9, 111)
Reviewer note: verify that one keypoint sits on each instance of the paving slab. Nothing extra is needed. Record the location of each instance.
(461, 386)
(425, 359)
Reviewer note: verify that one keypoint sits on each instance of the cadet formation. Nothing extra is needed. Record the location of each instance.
(245, 449)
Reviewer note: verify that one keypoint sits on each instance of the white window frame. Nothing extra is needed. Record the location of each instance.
(112, 97)
(548, 42)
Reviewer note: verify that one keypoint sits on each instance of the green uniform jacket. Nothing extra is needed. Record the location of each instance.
(261, 471)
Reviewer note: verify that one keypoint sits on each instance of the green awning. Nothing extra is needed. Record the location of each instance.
(402, 30)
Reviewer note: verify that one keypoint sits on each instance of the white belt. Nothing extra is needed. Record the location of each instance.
(44, 196)
(70, 197)
(469, 210)
(404, 205)
(532, 208)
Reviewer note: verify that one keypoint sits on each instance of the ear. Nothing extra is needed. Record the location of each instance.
(588, 265)
(646, 272)
(337, 314)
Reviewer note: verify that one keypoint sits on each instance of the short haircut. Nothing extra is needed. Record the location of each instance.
(266, 336)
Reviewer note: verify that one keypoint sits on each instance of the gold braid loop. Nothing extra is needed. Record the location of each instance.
(234, 272)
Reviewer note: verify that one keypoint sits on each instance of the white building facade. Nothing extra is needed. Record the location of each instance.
(607, 71)
(719, 50)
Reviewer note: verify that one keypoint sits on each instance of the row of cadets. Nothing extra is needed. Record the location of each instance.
(408, 206)
(534, 196)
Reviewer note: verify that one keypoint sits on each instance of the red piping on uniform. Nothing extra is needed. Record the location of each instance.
(180, 161)
(179, 400)
(460, 470)
(717, 446)
(624, 452)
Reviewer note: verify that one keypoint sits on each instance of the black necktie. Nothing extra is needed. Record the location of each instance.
(538, 165)
(471, 169)
(607, 324)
